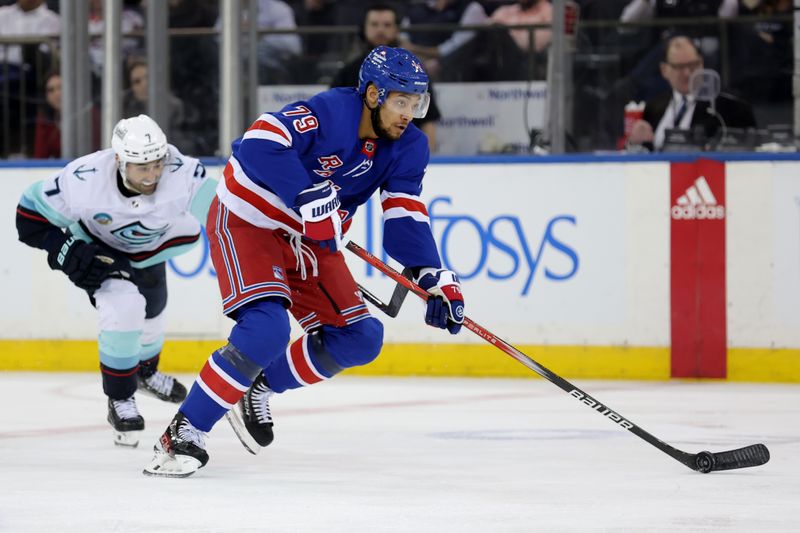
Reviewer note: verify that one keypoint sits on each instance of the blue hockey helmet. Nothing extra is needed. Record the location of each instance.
(395, 69)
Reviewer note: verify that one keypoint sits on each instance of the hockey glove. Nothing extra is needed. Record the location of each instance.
(319, 208)
(86, 264)
(446, 303)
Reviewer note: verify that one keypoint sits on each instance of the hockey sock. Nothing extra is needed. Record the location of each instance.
(119, 362)
(261, 332)
(324, 353)
(305, 362)
(148, 367)
(222, 382)
(119, 384)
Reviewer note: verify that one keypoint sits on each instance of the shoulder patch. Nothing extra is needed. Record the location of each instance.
(175, 164)
(83, 169)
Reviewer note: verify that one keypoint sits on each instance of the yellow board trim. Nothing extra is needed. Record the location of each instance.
(487, 361)
(474, 360)
(395, 359)
(764, 364)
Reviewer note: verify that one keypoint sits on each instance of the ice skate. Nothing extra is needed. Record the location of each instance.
(162, 386)
(250, 417)
(126, 421)
(180, 451)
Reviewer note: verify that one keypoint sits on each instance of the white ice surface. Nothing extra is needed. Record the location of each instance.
(409, 455)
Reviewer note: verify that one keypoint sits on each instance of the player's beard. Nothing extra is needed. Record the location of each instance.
(140, 188)
(147, 191)
(377, 125)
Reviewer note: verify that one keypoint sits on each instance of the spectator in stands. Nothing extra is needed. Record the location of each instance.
(646, 9)
(763, 53)
(276, 53)
(21, 67)
(678, 109)
(131, 21)
(442, 50)
(134, 103)
(510, 53)
(47, 137)
(380, 27)
(526, 12)
(318, 13)
(193, 14)
(706, 36)
(606, 10)
(194, 72)
(26, 17)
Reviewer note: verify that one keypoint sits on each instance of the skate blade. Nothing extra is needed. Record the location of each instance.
(126, 439)
(164, 465)
(237, 423)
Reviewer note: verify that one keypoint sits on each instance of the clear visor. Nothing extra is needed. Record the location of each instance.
(409, 104)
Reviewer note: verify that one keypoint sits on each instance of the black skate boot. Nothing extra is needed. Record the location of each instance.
(250, 417)
(124, 417)
(161, 385)
(180, 451)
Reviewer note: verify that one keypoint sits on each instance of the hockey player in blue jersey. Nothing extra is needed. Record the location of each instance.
(290, 189)
(109, 221)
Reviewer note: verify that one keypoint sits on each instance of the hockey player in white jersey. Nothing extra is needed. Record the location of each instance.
(109, 220)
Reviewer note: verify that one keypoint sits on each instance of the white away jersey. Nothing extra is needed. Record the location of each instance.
(85, 196)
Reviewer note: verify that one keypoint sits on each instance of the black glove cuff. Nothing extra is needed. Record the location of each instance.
(54, 244)
(54, 239)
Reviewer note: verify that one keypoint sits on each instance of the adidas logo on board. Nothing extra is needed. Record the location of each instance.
(698, 202)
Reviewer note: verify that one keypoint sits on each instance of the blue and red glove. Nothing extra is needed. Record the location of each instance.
(319, 208)
(446, 303)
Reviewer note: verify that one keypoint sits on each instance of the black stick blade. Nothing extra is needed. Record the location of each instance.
(753, 455)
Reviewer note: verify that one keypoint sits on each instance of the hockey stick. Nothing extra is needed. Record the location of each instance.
(396, 301)
(753, 455)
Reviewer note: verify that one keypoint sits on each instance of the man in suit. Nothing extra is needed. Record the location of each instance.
(679, 109)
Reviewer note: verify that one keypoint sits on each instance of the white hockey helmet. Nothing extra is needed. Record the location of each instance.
(138, 140)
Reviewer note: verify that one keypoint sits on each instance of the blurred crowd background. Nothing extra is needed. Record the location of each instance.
(617, 55)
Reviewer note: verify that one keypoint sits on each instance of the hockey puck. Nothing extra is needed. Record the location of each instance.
(704, 462)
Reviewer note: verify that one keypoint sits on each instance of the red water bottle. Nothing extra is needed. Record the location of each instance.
(634, 111)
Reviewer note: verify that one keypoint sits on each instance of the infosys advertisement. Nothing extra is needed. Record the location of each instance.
(541, 251)
(537, 252)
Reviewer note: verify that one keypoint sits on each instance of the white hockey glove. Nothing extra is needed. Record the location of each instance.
(446, 304)
(319, 208)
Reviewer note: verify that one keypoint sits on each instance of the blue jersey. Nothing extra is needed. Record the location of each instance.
(312, 141)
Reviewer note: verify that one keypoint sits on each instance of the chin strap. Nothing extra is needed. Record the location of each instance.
(121, 165)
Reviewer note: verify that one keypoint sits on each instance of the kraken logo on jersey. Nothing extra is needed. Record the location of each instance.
(137, 234)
